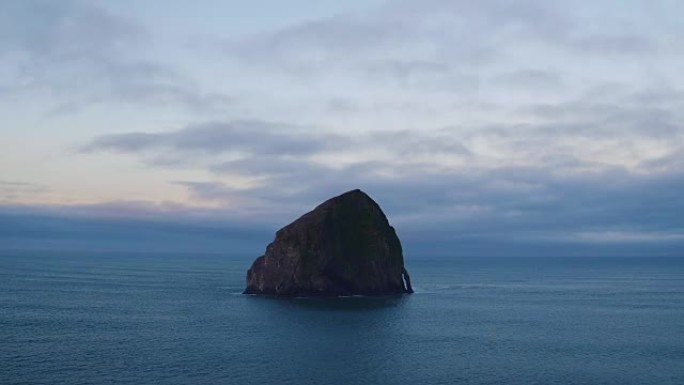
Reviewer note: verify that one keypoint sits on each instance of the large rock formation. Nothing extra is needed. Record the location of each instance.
(345, 246)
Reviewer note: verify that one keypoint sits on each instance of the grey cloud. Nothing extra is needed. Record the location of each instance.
(63, 30)
(405, 142)
(619, 44)
(527, 201)
(265, 166)
(568, 136)
(664, 96)
(429, 36)
(421, 75)
(210, 191)
(261, 143)
(341, 105)
(401, 39)
(318, 39)
(530, 79)
(12, 190)
(636, 113)
(253, 136)
(671, 161)
(538, 17)
(83, 55)
(404, 69)
(297, 189)
(563, 198)
(442, 210)
(528, 204)
(437, 43)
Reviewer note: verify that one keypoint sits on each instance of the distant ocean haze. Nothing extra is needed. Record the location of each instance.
(25, 231)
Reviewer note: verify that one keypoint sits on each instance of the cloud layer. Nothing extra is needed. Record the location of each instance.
(436, 185)
(481, 125)
(75, 54)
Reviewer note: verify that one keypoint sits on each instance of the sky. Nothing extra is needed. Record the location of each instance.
(491, 127)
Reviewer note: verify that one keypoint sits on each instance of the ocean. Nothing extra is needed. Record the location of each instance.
(180, 319)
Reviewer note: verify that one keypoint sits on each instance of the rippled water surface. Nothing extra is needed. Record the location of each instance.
(179, 319)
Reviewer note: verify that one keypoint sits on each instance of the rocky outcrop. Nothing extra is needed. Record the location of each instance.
(345, 246)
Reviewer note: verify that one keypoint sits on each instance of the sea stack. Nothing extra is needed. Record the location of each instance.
(345, 246)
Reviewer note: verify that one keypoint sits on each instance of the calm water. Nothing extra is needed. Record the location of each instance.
(155, 319)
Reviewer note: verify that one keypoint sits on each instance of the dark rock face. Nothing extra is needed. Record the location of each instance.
(345, 246)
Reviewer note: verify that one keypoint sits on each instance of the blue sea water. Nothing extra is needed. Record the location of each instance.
(179, 319)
